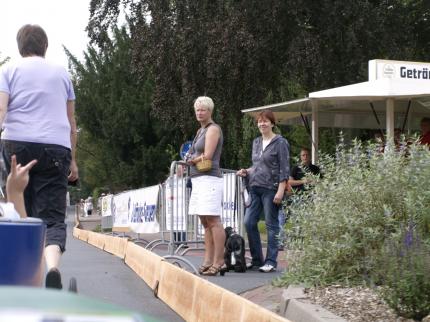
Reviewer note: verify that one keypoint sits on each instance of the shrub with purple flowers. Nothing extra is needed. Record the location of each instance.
(405, 274)
(352, 221)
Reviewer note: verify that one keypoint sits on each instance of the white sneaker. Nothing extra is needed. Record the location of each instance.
(266, 268)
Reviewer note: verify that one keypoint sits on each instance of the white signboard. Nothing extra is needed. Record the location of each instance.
(379, 69)
(229, 211)
(143, 209)
(175, 204)
(137, 210)
(120, 209)
(106, 208)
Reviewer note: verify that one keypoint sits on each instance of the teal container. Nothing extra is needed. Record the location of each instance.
(21, 251)
(39, 304)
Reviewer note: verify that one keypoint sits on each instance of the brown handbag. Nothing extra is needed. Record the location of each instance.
(204, 165)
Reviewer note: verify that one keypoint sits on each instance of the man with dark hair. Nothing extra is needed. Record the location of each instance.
(37, 114)
(298, 179)
(425, 131)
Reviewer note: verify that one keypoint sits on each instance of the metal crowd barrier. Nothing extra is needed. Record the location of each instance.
(185, 231)
(179, 232)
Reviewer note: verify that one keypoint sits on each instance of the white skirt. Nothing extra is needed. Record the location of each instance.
(206, 196)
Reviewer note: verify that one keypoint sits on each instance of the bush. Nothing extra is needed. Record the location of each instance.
(404, 271)
(361, 204)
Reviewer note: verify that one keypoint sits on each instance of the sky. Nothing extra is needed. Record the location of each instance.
(64, 21)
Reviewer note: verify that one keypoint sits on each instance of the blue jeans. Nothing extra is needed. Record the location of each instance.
(262, 200)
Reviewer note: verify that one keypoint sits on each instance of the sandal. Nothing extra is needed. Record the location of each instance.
(214, 270)
(204, 268)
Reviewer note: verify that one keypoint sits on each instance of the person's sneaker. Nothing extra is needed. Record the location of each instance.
(266, 268)
(53, 279)
(252, 267)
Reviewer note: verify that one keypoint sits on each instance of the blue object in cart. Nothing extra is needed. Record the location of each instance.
(21, 251)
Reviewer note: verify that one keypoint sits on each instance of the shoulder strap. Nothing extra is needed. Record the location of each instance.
(198, 135)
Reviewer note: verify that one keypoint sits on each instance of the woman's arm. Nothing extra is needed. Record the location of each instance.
(74, 175)
(280, 193)
(211, 141)
(4, 101)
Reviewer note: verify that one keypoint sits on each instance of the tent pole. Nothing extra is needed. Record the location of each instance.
(314, 131)
(390, 119)
(406, 116)
(377, 118)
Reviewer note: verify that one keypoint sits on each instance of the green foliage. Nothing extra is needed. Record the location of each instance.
(4, 60)
(404, 271)
(251, 53)
(121, 145)
(363, 201)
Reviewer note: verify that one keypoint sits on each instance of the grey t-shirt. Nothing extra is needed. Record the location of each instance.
(198, 148)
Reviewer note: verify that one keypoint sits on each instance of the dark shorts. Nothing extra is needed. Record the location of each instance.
(45, 195)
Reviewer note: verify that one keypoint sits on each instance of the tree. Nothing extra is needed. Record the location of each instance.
(120, 144)
(4, 60)
(228, 50)
(250, 53)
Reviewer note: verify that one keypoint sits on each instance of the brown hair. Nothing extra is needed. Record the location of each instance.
(32, 41)
(303, 148)
(267, 114)
(425, 120)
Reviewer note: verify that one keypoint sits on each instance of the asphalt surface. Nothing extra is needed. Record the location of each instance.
(105, 277)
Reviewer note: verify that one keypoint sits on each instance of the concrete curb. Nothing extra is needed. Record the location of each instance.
(294, 307)
(190, 296)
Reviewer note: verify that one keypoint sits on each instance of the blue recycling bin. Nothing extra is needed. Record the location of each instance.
(21, 251)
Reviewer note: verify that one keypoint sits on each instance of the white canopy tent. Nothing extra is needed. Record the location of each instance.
(379, 104)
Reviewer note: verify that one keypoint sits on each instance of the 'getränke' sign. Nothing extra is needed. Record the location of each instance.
(379, 69)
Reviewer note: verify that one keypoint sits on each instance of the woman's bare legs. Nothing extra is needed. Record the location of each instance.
(217, 239)
(209, 245)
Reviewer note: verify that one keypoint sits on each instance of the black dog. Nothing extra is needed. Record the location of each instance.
(234, 252)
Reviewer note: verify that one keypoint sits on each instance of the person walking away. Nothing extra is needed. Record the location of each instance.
(37, 115)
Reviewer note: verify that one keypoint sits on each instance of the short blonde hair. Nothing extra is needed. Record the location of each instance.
(204, 101)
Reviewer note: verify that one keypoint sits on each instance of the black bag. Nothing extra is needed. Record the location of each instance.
(234, 251)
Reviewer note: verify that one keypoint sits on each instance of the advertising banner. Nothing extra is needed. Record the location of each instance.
(176, 204)
(106, 206)
(229, 206)
(136, 209)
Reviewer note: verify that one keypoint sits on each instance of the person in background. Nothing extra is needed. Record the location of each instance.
(37, 115)
(206, 195)
(298, 178)
(267, 178)
(425, 131)
(89, 206)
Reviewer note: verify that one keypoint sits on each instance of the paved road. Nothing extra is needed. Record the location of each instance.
(106, 277)
(103, 276)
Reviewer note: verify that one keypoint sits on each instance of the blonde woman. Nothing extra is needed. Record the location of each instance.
(206, 196)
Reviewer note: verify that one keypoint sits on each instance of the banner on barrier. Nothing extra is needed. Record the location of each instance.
(136, 209)
(229, 207)
(106, 208)
(175, 201)
(143, 210)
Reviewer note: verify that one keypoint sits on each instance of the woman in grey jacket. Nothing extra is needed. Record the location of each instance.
(267, 179)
